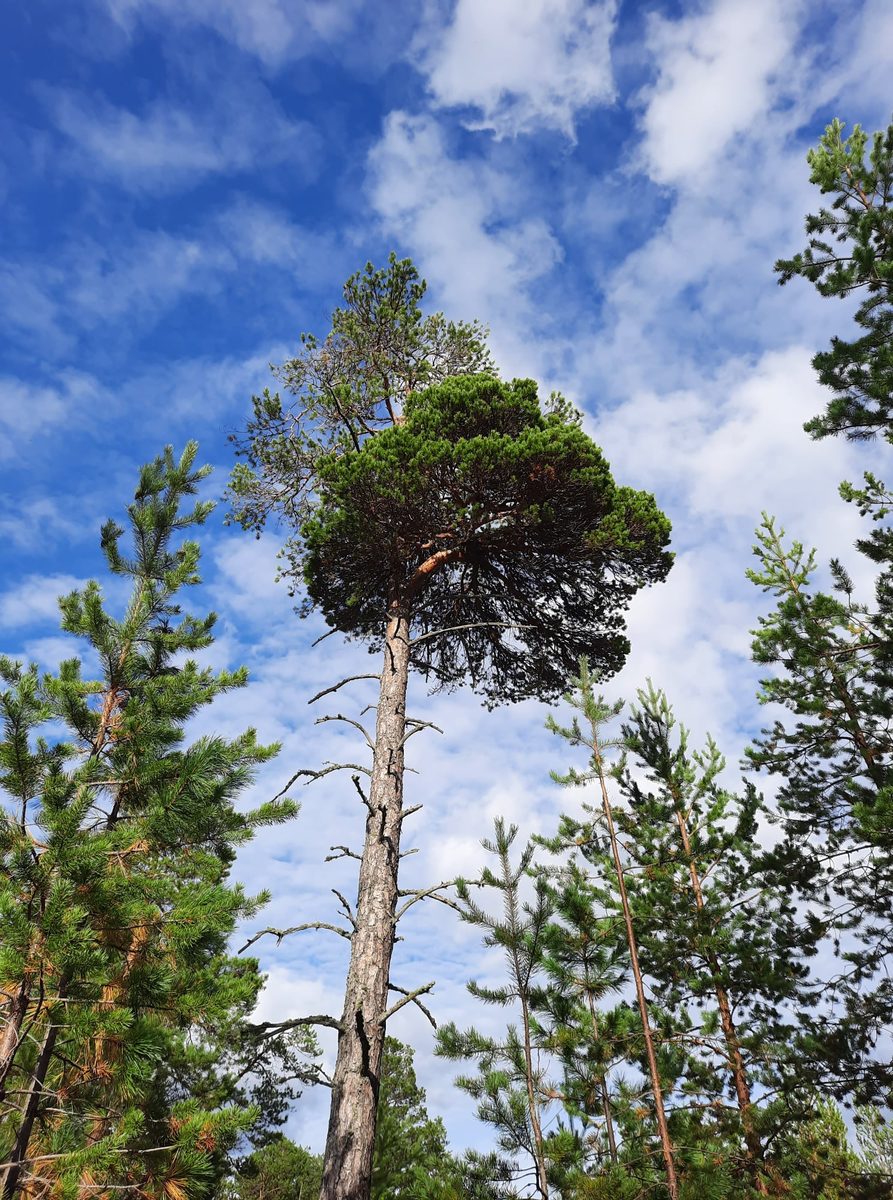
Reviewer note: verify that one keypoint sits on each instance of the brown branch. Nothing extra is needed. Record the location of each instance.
(408, 998)
(272, 1028)
(415, 999)
(418, 727)
(345, 853)
(425, 894)
(335, 687)
(419, 577)
(279, 934)
(407, 812)
(348, 912)
(348, 721)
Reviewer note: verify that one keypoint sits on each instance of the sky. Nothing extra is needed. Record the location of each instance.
(185, 186)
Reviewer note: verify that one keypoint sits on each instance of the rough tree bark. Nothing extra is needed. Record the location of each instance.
(351, 1135)
(10, 1037)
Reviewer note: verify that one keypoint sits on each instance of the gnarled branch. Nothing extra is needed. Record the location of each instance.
(408, 998)
(279, 934)
(273, 1028)
(348, 911)
(345, 853)
(471, 625)
(417, 727)
(407, 812)
(414, 997)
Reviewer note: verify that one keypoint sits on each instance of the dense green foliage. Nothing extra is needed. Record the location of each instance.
(279, 1171)
(493, 522)
(850, 249)
(408, 1142)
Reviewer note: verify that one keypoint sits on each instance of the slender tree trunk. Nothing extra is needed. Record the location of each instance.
(19, 1154)
(10, 1036)
(603, 1084)
(733, 1044)
(541, 1184)
(666, 1145)
(609, 1123)
(347, 1173)
(522, 983)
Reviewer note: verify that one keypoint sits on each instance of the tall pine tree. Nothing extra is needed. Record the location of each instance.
(460, 530)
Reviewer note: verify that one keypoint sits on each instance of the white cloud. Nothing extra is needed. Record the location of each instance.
(35, 599)
(522, 64)
(89, 284)
(169, 146)
(718, 72)
(277, 31)
(28, 408)
(461, 219)
(39, 521)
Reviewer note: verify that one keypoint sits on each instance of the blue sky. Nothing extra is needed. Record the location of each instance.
(185, 186)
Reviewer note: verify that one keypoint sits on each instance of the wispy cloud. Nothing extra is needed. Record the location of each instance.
(168, 146)
(35, 599)
(28, 409)
(277, 31)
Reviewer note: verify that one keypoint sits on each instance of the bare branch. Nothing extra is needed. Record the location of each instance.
(348, 911)
(406, 853)
(349, 721)
(279, 934)
(408, 998)
(471, 625)
(273, 1028)
(407, 812)
(329, 767)
(363, 796)
(323, 637)
(415, 999)
(425, 894)
(345, 853)
(417, 727)
(297, 775)
(335, 687)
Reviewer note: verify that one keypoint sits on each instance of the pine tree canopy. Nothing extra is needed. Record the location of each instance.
(851, 248)
(493, 522)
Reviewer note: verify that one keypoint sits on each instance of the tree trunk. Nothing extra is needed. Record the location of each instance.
(11, 1033)
(660, 1114)
(19, 1153)
(603, 1082)
(733, 1044)
(347, 1173)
